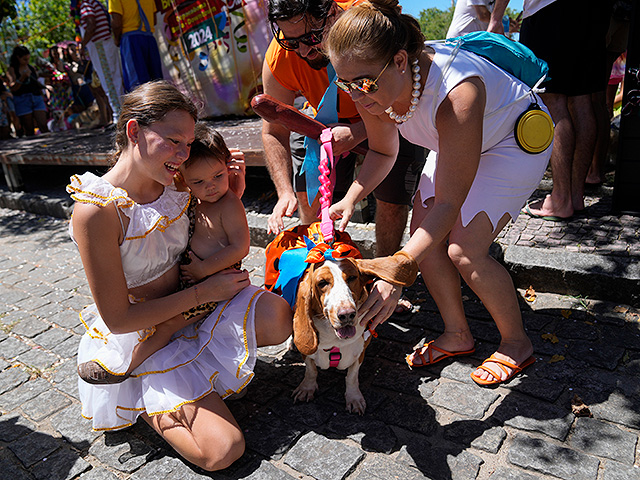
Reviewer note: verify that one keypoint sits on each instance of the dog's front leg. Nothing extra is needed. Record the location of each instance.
(353, 396)
(307, 388)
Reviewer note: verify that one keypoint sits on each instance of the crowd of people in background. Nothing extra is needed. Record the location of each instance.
(78, 84)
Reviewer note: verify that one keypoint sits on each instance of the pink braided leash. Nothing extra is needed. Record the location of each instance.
(327, 180)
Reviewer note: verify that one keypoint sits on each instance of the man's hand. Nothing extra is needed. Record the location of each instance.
(287, 204)
(343, 139)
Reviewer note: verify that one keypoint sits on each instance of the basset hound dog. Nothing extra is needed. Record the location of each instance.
(326, 322)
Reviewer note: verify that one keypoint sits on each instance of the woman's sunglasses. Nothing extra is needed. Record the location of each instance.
(310, 39)
(364, 85)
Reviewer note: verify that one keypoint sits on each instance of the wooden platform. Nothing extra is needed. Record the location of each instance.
(95, 147)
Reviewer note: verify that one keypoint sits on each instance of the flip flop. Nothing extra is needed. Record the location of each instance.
(404, 306)
(428, 349)
(551, 218)
(515, 369)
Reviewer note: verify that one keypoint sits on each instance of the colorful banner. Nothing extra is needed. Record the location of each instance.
(214, 48)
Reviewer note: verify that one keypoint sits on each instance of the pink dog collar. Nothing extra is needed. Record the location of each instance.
(334, 357)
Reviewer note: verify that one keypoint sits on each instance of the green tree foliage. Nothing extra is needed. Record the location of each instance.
(38, 25)
(435, 22)
(7, 9)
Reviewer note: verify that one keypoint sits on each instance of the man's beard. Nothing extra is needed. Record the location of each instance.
(317, 63)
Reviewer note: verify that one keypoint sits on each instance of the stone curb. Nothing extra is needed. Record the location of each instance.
(568, 273)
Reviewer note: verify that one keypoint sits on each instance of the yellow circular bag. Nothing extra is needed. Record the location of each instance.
(534, 130)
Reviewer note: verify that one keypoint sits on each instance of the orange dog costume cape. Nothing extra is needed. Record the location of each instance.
(293, 250)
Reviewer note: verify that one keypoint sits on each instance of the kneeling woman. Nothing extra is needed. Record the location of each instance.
(131, 226)
(464, 108)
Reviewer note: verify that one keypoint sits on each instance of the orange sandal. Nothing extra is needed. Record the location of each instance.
(515, 369)
(428, 348)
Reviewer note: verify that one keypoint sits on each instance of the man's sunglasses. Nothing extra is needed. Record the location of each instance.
(310, 39)
(364, 85)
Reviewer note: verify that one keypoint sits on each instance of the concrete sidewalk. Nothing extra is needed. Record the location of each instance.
(431, 423)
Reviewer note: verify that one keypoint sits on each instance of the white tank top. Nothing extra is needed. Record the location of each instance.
(157, 233)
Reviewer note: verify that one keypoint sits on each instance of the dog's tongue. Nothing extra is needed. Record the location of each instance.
(346, 332)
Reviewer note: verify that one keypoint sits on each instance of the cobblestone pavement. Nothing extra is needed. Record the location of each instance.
(427, 423)
(595, 231)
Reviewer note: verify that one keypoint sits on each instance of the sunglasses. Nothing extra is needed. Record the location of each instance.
(364, 85)
(310, 39)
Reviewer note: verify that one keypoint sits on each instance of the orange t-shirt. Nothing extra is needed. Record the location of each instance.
(294, 74)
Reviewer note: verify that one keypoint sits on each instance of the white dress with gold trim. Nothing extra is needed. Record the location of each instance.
(217, 354)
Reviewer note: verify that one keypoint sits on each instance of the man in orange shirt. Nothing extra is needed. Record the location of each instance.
(295, 65)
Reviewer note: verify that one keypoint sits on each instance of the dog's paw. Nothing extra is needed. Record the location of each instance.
(356, 403)
(304, 392)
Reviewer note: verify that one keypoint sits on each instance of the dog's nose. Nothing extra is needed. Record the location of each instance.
(346, 315)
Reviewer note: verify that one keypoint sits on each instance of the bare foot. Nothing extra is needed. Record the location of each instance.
(516, 354)
(593, 179)
(547, 208)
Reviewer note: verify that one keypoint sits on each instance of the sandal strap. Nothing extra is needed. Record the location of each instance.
(501, 364)
(431, 347)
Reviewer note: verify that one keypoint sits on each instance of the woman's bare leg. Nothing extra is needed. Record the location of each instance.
(443, 281)
(27, 124)
(203, 432)
(41, 120)
(469, 251)
(273, 321)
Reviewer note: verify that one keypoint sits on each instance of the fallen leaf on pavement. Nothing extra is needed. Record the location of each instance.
(556, 358)
(579, 408)
(565, 313)
(530, 294)
(551, 337)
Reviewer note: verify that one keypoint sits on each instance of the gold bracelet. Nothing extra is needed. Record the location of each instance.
(195, 287)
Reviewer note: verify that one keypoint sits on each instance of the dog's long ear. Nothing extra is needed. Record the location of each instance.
(400, 269)
(305, 335)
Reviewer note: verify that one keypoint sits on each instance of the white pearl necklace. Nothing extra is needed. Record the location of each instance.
(415, 97)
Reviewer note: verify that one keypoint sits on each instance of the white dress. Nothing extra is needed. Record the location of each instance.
(217, 354)
(506, 175)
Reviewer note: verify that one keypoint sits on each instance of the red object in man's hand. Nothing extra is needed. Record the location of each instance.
(275, 111)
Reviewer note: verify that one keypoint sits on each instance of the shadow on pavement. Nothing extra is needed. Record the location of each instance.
(43, 455)
(428, 418)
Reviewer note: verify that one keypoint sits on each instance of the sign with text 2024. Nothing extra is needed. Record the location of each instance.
(197, 22)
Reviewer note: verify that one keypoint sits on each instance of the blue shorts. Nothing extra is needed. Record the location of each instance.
(28, 103)
(140, 59)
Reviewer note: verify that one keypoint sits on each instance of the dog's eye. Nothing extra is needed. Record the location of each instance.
(351, 278)
(322, 283)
